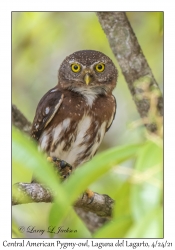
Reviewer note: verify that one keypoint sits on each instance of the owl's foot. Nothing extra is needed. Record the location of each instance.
(90, 195)
(61, 167)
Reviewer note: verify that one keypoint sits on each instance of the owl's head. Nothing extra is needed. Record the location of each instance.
(88, 70)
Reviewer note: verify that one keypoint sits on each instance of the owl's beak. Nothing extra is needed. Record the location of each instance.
(87, 79)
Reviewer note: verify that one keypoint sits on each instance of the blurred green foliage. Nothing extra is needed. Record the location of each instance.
(131, 174)
(138, 209)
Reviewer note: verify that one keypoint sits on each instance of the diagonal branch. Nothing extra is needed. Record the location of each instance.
(19, 120)
(138, 75)
(34, 192)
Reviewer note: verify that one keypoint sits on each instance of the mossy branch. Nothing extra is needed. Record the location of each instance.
(138, 75)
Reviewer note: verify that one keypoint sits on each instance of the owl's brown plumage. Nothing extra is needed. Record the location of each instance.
(72, 118)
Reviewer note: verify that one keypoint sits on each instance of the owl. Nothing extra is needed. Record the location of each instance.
(72, 118)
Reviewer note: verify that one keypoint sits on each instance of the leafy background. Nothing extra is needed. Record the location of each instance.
(40, 42)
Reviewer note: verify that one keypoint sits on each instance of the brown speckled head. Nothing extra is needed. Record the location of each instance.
(89, 69)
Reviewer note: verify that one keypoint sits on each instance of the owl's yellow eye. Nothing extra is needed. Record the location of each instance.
(75, 67)
(100, 67)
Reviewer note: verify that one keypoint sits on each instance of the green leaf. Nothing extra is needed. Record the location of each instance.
(149, 154)
(115, 229)
(16, 233)
(146, 191)
(20, 174)
(74, 227)
(122, 201)
(26, 155)
(97, 167)
(122, 217)
(149, 226)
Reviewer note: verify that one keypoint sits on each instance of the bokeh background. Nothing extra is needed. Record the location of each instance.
(40, 42)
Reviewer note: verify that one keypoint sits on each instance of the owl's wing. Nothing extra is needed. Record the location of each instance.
(113, 115)
(46, 110)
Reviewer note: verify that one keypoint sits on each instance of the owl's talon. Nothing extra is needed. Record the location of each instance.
(91, 200)
(90, 195)
(54, 159)
(62, 166)
(50, 159)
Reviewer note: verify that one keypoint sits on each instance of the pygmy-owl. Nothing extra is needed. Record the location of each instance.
(72, 118)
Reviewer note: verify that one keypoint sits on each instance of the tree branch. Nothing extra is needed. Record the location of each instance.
(20, 121)
(138, 75)
(34, 192)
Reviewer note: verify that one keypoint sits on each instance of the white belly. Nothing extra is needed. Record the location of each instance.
(77, 153)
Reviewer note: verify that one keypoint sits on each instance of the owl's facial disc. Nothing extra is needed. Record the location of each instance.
(88, 69)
